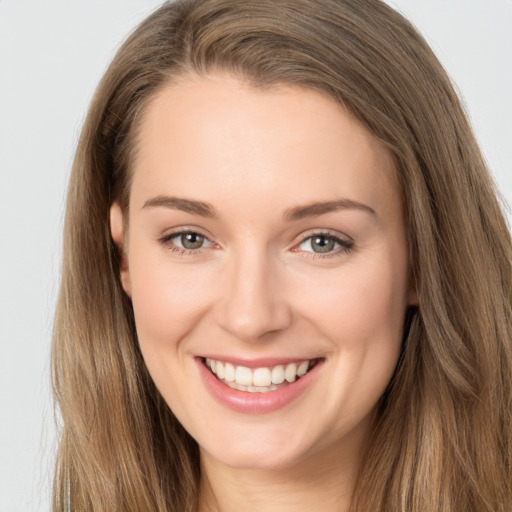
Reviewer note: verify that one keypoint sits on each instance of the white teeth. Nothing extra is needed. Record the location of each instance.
(258, 380)
(303, 368)
(262, 377)
(252, 389)
(234, 385)
(229, 372)
(291, 372)
(278, 374)
(243, 376)
(220, 369)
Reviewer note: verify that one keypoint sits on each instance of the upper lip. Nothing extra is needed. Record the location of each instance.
(258, 362)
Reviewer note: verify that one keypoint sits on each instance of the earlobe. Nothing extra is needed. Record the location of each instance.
(117, 233)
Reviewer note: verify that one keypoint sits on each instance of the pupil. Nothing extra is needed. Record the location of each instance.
(192, 240)
(322, 244)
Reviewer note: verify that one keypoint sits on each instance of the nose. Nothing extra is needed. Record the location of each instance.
(252, 302)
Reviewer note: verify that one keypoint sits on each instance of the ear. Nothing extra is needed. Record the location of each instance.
(117, 233)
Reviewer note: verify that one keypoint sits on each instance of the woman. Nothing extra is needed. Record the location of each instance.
(286, 280)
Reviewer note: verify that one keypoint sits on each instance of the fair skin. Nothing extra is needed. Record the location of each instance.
(246, 272)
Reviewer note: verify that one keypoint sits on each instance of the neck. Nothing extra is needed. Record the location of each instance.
(323, 481)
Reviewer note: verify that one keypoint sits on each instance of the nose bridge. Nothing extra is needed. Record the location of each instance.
(252, 304)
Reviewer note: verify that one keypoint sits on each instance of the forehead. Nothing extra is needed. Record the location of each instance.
(218, 137)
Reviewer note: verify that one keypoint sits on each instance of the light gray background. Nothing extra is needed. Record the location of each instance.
(52, 54)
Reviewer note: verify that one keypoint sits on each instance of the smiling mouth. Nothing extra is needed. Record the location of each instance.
(259, 380)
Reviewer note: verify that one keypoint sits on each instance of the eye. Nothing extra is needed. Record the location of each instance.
(189, 240)
(186, 241)
(321, 243)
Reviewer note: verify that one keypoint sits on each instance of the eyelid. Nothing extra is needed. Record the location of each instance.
(327, 233)
(185, 229)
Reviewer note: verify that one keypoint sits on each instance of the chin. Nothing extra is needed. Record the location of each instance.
(249, 451)
(257, 460)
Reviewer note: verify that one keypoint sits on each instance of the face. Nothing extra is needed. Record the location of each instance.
(266, 260)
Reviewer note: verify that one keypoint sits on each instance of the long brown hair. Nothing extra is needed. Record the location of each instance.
(442, 438)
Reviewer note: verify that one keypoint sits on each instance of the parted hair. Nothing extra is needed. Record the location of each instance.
(442, 434)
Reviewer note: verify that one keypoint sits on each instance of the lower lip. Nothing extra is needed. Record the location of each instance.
(256, 403)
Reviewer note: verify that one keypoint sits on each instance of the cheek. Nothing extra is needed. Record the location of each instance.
(361, 313)
(168, 303)
(167, 300)
(360, 310)
(358, 304)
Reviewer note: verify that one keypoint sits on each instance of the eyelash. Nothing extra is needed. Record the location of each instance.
(345, 245)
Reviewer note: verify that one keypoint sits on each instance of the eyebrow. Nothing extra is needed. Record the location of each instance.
(186, 205)
(323, 207)
(291, 214)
